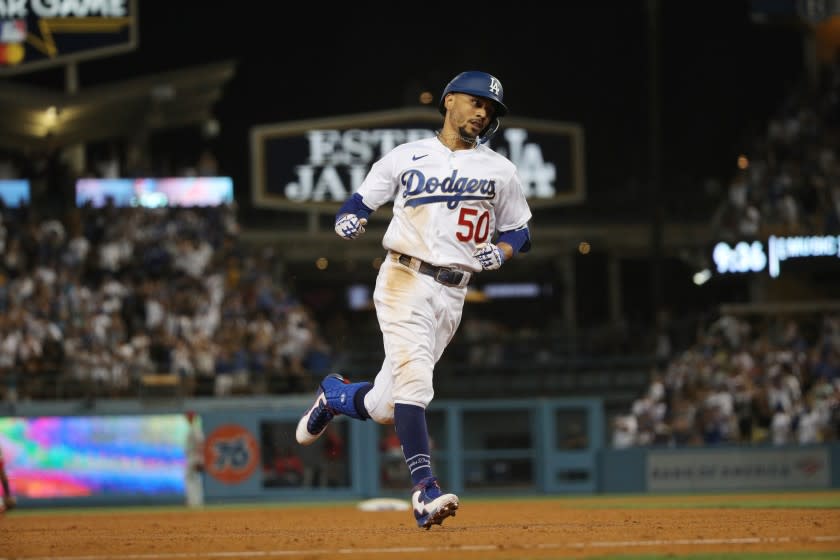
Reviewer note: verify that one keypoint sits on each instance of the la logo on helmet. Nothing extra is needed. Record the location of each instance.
(495, 85)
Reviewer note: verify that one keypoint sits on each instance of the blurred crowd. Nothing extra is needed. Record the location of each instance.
(760, 379)
(745, 380)
(91, 305)
(96, 301)
(788, 181)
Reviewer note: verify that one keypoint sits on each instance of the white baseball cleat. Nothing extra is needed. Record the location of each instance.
(313, 423)
(429, 510)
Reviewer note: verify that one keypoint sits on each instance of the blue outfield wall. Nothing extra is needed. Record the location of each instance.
(720, 468)
(132, 452)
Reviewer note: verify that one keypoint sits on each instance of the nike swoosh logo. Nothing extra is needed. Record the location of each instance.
(419, 506)
(415, 158)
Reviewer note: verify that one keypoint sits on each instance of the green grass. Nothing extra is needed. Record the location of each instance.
(827, 499)
(732, 556)
(724, 503)
(743, 500)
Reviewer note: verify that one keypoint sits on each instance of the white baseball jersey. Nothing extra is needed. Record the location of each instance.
(445, 202)
(193, 480)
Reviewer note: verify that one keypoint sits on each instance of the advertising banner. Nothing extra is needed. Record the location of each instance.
(148, 192)
(36, 34)
(741, 469)
(749, 257)
(14, 193)
(317, 164)
(128, 457)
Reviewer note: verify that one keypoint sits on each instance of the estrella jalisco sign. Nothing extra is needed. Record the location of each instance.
(317, 164)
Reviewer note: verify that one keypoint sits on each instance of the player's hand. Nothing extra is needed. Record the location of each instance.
(489, 256)
(350, 226)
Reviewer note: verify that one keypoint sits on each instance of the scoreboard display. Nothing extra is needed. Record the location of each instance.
(37, 34)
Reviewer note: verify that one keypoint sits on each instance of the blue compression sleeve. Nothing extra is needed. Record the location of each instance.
(519, 239)
(354, 205)
(410, 423)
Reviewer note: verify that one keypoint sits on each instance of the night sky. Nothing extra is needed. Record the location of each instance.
(586, 62)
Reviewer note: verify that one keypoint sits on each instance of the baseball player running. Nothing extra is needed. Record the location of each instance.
(9, 501)
(451, 194)
(194, 466)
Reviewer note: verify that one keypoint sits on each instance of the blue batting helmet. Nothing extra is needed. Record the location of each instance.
(480, 84)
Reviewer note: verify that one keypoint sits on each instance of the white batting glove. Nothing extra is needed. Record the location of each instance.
(489, 256)
(349, 226)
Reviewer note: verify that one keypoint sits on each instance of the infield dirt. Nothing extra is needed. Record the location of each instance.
(483, 529)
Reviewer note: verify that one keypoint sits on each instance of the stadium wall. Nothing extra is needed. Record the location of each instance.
(132, 452)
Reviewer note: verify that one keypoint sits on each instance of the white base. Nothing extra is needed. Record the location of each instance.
(384, 504)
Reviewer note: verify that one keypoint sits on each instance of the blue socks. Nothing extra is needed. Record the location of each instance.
(359, 400)
(410, 423)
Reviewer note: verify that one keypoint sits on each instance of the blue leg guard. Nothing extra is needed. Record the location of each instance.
(344, 397)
